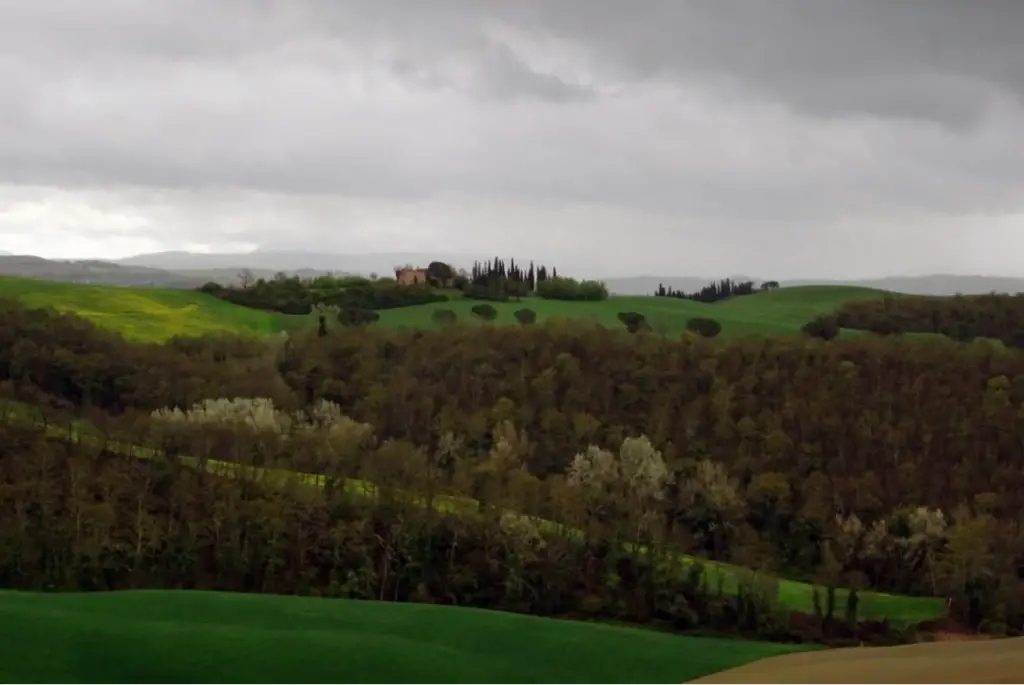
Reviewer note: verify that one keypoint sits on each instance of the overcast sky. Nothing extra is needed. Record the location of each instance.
(776, 138)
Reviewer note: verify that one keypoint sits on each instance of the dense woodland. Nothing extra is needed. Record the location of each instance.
(716, 291)
(964, 317)
(294, 295)
(878, 463)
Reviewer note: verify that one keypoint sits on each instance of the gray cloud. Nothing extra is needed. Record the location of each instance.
(782, 133)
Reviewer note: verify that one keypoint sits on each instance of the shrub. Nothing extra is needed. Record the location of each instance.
(357, 317)
(485, 311)
(559, 288)
(824, 327)
(708, 328)
(526, 316)
(443, 317)
(634, 321)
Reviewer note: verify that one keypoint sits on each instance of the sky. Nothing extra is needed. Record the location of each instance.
(782, 139)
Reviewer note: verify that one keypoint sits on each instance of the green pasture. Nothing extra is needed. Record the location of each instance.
(143, 314)
(209, 637)
(782, 311)
(157, 314)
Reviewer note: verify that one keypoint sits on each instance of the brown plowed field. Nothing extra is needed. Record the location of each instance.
(969, 661)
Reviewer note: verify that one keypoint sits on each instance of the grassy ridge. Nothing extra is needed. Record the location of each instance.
(781, 312)
(793, 595)
(143, 314)
(178, 636)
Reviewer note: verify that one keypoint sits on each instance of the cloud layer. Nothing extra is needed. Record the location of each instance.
(792, 138)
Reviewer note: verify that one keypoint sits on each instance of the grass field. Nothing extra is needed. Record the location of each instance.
(782, 311)
(142, 314)
(970, 661)
(157, 314)
(196, 637)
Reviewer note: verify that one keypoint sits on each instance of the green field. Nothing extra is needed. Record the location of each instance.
(782, 311)
(142, 314)
(157, 314)
(192, 637)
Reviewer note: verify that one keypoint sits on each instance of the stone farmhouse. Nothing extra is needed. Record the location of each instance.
(410, 276)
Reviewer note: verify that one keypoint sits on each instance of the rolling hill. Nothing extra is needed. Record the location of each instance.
(778, 312)
(179, 636)
(143, 314)
(157, 314)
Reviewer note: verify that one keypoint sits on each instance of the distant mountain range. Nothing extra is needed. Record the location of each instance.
(190, 270)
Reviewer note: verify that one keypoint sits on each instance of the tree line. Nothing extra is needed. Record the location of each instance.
(963, 317)
(879, 463)
(297, 296)
(497, 281)
(716, 291)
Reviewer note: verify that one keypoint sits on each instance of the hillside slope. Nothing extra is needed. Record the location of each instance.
(177, 636)
(792, 595)
(157, 314)
(781, 312)
(142, 314)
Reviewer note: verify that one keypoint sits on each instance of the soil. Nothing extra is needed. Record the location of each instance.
(956, 660)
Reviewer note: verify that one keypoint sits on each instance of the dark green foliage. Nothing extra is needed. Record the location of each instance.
(852, 600)
(526, 316)
(440, 274)
(824, 327)
(556, 288)
(495, 291)
(634, 322)
(963, 317)
(357, 317)
(485, 312)
(715, 291)
(443, 317)
(1015, 340)
(292, 295)
(705, 327)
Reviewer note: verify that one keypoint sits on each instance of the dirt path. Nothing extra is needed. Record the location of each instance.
(987, 661)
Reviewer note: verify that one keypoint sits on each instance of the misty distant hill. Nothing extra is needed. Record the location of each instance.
(937, 284)
(111, 273)
(91, 271)
(190, 270)
(382, 263)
